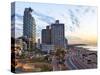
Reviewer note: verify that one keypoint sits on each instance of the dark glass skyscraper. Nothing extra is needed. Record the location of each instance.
(54, 35)
(46, 35)
(29, 27)
(58, 35)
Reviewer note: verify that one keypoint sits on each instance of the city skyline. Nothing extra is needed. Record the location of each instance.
(52, 37)
(77, 19)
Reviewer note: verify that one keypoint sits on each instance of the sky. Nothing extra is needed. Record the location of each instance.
(80, 21)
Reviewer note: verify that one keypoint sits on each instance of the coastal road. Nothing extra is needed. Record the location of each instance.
(70, 64)
(74, 63)
(80, 64)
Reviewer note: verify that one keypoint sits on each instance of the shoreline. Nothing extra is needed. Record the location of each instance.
(84, 56)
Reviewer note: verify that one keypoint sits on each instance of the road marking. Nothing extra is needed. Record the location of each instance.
(72, 63)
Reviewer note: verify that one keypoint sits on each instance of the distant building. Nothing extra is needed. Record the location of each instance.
(66, 41)
(58, 35)
(47, 47)
(38, 44)
(24, 46)
(19, 43)
(46, 35)
(18, 46)
(29, 27)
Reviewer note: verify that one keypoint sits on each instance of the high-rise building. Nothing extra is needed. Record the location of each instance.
(46, 40)
(46, 35)
(53, 37)
(29, 27)
(58, 35)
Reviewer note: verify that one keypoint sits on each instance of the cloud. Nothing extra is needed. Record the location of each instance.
(18, 16)
(43, 17)
(71, 28)
(74, 19)
(18, 25)
(16, 30)
(85, 9)
(74, 37)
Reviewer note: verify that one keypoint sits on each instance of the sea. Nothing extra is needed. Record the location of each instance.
(89, 47)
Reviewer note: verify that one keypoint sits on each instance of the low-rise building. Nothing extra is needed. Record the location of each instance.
(47, 48)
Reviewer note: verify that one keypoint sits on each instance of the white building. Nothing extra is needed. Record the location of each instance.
(38, 45)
